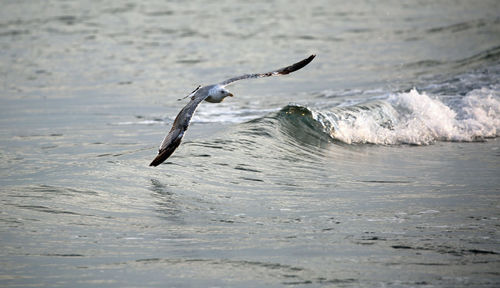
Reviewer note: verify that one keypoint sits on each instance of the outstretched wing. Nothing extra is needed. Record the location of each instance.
(181, 123)
(282, 71)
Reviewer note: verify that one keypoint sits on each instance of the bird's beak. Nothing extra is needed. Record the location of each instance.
(230, 95)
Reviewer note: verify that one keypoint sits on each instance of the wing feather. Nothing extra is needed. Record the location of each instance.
(282, 71)
(181, 124)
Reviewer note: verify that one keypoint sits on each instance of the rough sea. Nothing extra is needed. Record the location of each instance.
(377, 165)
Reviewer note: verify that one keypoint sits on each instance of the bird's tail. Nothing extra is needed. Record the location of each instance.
(190, 94)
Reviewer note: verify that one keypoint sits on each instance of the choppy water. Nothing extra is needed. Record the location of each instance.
(375, 166)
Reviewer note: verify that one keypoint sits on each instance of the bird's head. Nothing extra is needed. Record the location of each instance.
(217, 94)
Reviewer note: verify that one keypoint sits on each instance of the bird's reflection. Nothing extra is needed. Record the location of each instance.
(167, 206)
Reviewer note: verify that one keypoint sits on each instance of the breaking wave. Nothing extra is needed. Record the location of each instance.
(411, 117)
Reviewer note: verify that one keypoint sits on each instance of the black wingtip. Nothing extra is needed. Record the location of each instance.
(155, 163)
(159, 159)
(297, 66)
(309, 59)
(166, 152)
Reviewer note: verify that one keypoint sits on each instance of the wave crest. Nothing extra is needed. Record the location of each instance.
(409, 118)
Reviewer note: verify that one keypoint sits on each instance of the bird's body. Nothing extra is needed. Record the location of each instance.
(211, 93)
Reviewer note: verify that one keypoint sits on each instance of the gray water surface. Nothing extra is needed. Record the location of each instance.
(374, 166)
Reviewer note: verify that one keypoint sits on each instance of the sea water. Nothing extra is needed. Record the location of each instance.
(377, 165)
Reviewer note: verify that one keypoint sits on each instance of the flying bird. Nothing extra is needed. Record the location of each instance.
(214, 93)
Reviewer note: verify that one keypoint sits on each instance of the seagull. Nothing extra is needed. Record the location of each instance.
(214, 93)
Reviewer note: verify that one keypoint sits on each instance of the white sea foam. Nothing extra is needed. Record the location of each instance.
(416, 118)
